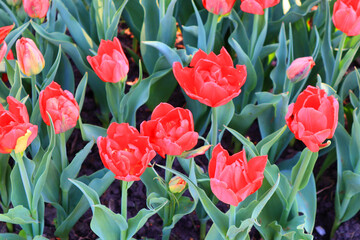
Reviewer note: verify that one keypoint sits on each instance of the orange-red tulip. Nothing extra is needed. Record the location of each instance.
(3, 50)
(125, 152)
(110, 64)
(219, 7)
(4, 31)
(257, 6)
(233, 178)
(171, 130)
(346, 16)
(30, 59)
(211, 79)
(300, 68)
(36, 8)
(313, 117)
(61, 105)
(16, 132)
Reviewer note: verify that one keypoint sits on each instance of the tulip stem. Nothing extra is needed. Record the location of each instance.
(334, 81)
(299, 178)
(124, 188)
(33, 90)
(202, 229)
(24, 177)
(64, 164)
(232, 217)
(212, 33)
(214, 128)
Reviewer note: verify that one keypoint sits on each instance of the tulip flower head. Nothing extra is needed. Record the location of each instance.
(177, 184)
(125, 152)
(61, 105)
(16, 132)
(30, 59)
(36, 8)
(211, 79)
(300, 68)
(313, 117)
(219, 7)
(346, 16)
(233, 178)
(257, 6)
(4, 31)
(110, 63)
(171, 130)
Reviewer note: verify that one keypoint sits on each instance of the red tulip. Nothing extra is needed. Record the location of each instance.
(313, 117)
(211, 79)
(171, 130)
(110, 64)
(233, 178)
(16, 132)
(257, 6)
(30, 59)
(346, 16)
(300, 68)
(4, 31)
(125, 152)
(219, 7)
(61, 105)
(36, 8)
(3, 50)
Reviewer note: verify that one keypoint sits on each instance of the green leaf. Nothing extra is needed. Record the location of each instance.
(81, 90)
(112, 30)
(201, 34)
(17, 215)
(351, 181)
(11, 236)
(50, 76)
(250, 147)
(90, 132)
(265, 144)
(168, 52)
(278, 74)
(89, 193)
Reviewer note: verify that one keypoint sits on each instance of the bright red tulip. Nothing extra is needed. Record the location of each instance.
(16, 132)
(219, 7)
(3, 50)
(257, 6)
(4, 31)
(313, 117)
(171, 130)
(110, 64)
(300, 68)
(211, 79)
(233, 178)
(61, 105)
(30, 59)
(346, 16)
(125, 152)
(36, 8)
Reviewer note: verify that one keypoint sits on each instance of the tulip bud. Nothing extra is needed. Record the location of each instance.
(300, 69)
(36, 8)
(31, 61)
(13, 3)
(177, 184)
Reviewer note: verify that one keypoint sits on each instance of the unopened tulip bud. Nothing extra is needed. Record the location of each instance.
(36, 8)
(31, 61)
(300, 69)
(177, 184)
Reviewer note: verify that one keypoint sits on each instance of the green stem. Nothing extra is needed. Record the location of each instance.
(25, 178)
(202, 229)
(33, 90)
(64, 164)
(295, 188)
(212, 33)
(337, 60)
(254, 35)
(232, 217)
(335, 226)
(214, 128)
(114, 95)
(124, 188)
(167, 209)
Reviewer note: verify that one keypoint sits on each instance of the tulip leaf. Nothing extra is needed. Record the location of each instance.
(50, 76)
(72, 170)
(296, 12)
(167, 29)
(14, 35)
(90, 132)
(265, 144)
(11, 236)
(16, 87)
(250, 147)
(137, 222)
(39, 237)
(89, 193)
(239, 34)
(81, 90)
(112, 29)
(9, 12)
(5, 184)
(220, 220)
(201, 34)
(168, 52)
(17, 215)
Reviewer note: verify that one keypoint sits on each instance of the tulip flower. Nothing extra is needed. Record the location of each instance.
(233, 178)
(313, 117)
(36, 8)
(300, 69)
(3, 50)
(4, 31)
(346, 16)
(31, 61)
(125, 152)
(61, 105)
(110, 64)
(16, 132)
(177, 184)
(219, 7)
(171, 130)
(211, 79)
(257, 6)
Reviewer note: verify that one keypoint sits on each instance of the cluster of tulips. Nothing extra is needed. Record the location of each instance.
(278, 200)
